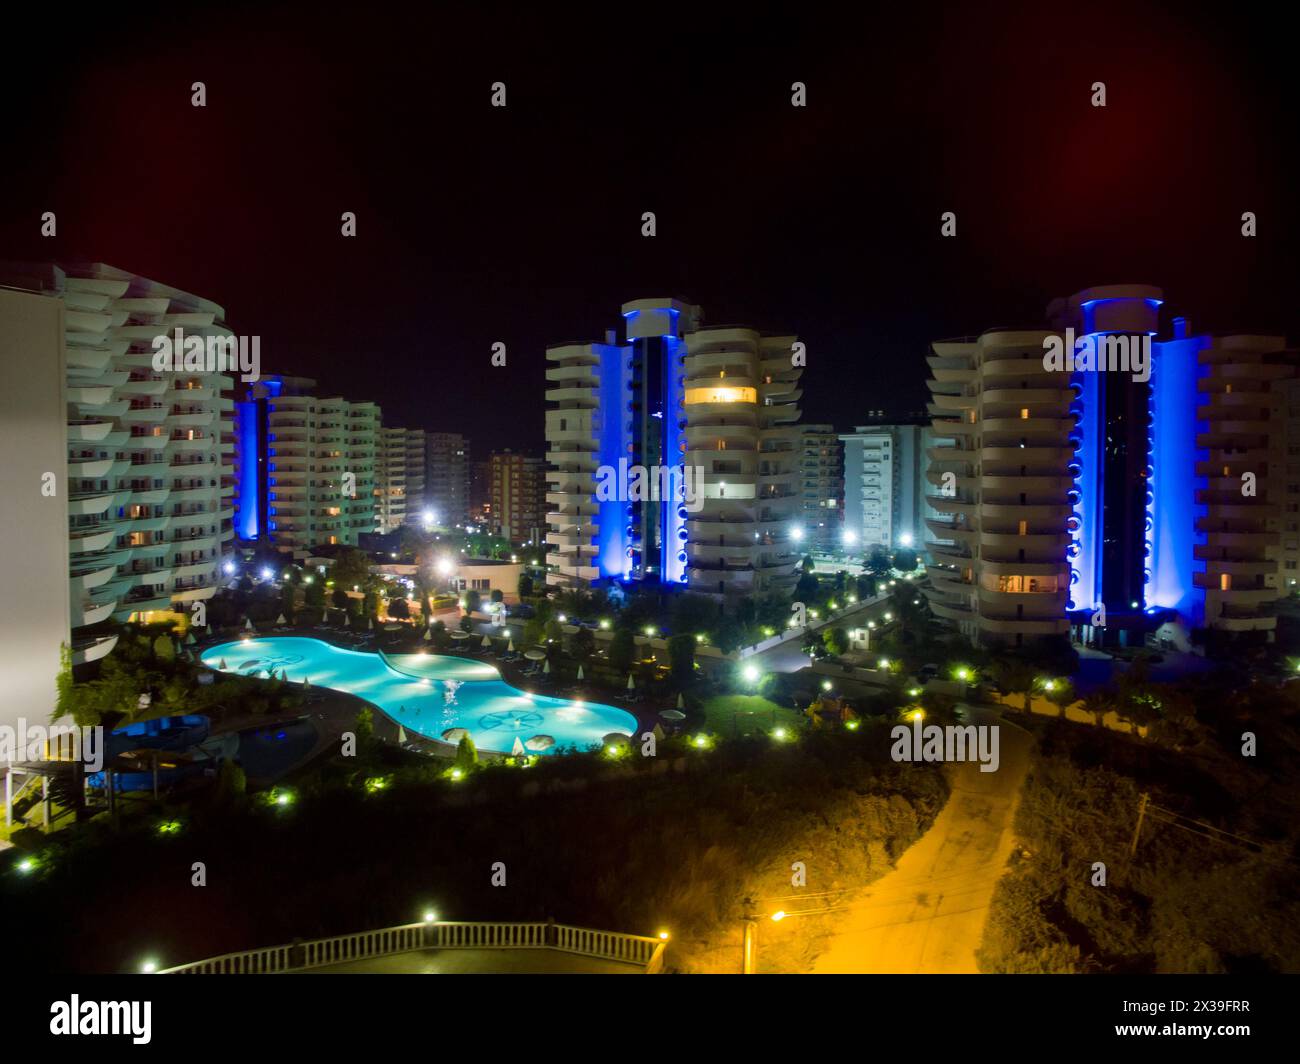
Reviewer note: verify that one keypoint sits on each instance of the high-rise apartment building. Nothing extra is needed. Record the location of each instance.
(518, 496)
(1141, 499)
(447, 476)
(705, 420)
(886, 463)
(821, 488)
(400, 464)
(141, 487)
(307, 466)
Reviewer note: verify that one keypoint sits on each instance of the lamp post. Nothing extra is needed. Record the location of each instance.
(749, 942)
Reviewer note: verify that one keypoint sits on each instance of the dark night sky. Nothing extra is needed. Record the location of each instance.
(522, 225)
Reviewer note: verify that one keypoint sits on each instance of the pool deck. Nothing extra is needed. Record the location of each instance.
(480, 962)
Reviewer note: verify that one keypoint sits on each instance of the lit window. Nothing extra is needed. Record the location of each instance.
(721, 395)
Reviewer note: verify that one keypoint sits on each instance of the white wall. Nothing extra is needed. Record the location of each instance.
(34, 618)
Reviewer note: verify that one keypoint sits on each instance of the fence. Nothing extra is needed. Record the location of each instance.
(606, 945)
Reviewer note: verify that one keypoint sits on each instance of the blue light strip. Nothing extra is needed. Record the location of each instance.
(247, 518)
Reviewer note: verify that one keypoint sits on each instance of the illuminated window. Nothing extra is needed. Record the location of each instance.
(1024, 528)
(721, 395)
(1225, 581)
(1024, 413)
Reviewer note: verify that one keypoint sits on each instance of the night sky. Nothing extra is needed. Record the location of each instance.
(522, 225)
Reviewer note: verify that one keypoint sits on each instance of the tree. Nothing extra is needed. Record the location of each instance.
(364, 727)
(340, 599)
(399, 608)
(466, 753)
(163, 649)
(681, 657)
(905, 559)
(351, 568)
(622, 650)
(837, 640)
(314, 596)
(473, 601)
(288, 600)
(534, 630)
(877, 560)
(1014, 675)
(582, 644)
(525, 586)
(498, 596)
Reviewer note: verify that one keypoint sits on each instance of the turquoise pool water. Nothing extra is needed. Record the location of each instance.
(448, 692)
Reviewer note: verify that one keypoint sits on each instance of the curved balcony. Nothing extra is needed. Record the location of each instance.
(85, 651)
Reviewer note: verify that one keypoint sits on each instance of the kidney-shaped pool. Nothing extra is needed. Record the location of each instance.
(432, 695)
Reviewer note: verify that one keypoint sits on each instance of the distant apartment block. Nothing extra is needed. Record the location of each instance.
(447, 476)
(886, 463)
(821, 488)
(400, 465)
(518, 496)
(307, 467)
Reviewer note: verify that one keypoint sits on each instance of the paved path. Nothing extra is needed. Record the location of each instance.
(927, 916)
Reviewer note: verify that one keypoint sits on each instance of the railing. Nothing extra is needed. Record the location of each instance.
(341, 949)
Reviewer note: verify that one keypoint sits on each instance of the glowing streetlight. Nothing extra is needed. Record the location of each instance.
(905, 539)
(749, 673)
(850, 537)
(148, 966)
(430, 916)
(796, 534)
(778, 916)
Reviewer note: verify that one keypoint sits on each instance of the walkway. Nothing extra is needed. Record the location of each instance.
(927, 916)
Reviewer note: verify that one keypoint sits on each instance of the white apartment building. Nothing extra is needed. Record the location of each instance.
(148, 453)
(885, 487)
(400, 473)
(742, 413)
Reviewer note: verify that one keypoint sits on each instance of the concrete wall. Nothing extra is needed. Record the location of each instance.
(34, 618)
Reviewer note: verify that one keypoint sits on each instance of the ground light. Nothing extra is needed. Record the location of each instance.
(913, 692)
(604, 624)
(663, 936)
(284, 798)
(851, 725)
(26, 865)
(826, 685)
(430, 916)
(780, 734)
(456, 774)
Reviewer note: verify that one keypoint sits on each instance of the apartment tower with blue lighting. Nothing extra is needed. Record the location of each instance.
(715, 408)
(1134, 494)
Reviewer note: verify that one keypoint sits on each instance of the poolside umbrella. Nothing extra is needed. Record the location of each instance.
(673, 714)
(534, 654)
(540, 742)
(189, 639)
(510, 645)
(401, 734)
(282, 619)
(427, 635)
(487, 642)
(324, 616)
(370, 623)
(631, 684)
(305, 683)
(518, 749)
(580, 676)
(347, 620)
(454, 735)
(546, 667)
(284, 675)
(223, 665)
(681, 702)
(248, 625)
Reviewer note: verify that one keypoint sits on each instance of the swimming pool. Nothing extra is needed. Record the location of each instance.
(447, 693)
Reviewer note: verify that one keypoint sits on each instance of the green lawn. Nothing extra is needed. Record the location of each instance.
(726, 715)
